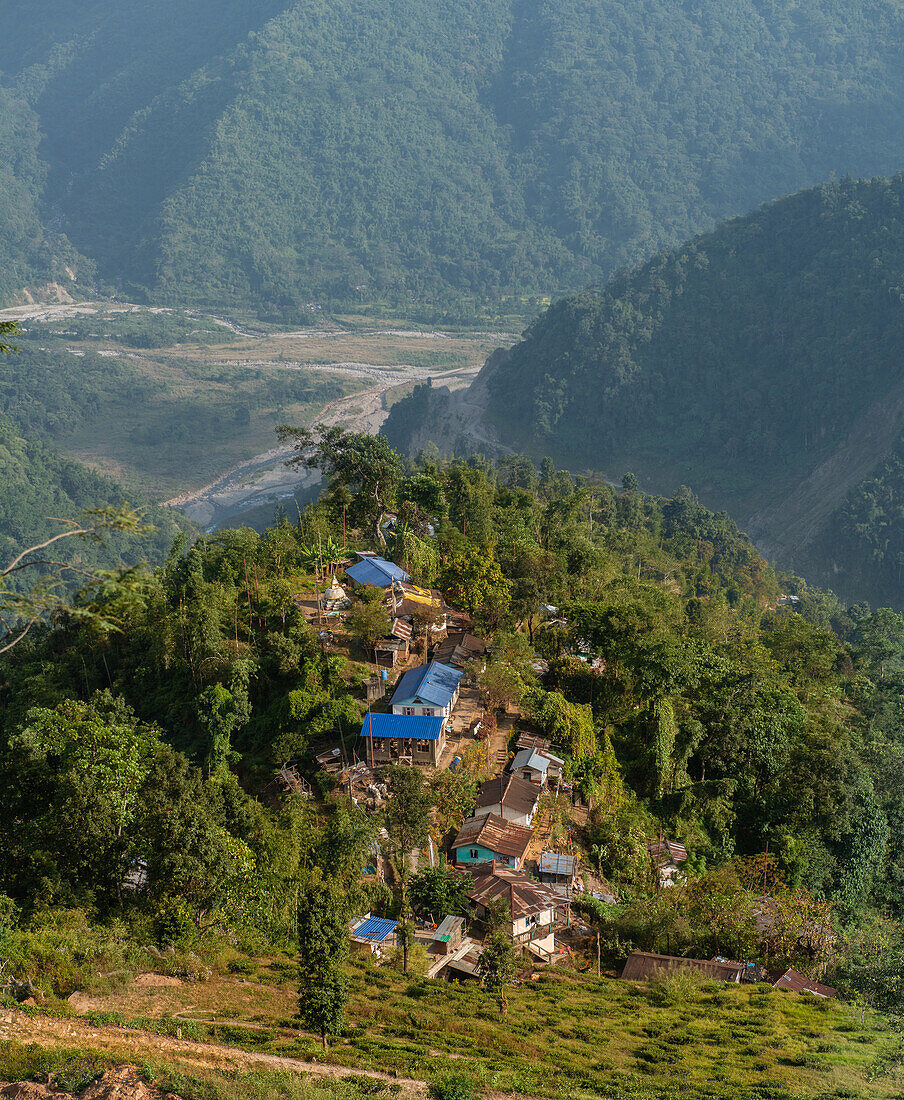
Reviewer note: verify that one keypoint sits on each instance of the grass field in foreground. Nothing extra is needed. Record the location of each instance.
(564, 1036)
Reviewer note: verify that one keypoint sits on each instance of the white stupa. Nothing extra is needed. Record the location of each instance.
(334, 595)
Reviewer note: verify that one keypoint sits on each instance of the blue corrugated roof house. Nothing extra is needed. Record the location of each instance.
(431, 685)
(376, 571)
(398, 738)
(405, 726)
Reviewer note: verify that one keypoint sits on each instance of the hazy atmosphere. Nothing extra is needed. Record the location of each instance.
(451, 549)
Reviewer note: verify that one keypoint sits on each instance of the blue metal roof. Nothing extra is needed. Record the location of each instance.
(433, 684)
(402, 725)
(376, 571)
(375, 928)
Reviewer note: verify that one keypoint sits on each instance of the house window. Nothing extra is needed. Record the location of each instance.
(407, 710)
(423, 746)
(474, 853)
(428, 712)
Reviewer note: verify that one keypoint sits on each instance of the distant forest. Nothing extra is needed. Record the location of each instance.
(403, 153)
(760, 365)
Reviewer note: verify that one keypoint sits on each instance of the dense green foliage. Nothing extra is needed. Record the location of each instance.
(138, 765)
(281, 151)
(38, 489)
(758, 364)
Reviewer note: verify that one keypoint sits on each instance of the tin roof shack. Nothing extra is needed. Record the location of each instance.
(389, 651)
(667, 855)
(640, 966)
(557, 869)
(530, 906)
(403, 738)
(537, 766)
(329, 761)
(793, 982)
(448, 935)
(430, 690)
(459, 649)
(490, 839)
(374, 933)
(374, 570)
(510, 798)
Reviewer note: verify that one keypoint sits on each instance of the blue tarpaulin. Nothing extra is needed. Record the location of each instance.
(376, 571)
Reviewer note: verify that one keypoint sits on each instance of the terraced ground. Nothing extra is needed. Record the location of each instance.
(566, 1035)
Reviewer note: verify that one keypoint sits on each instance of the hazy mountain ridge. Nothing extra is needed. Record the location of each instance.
(435, 152)
(759, 364)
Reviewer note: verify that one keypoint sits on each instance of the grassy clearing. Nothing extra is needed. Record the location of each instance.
(565, 1036)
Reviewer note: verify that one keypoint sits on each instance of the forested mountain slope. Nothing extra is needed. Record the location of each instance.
(760, 364)
(280, 151)
(39, 490)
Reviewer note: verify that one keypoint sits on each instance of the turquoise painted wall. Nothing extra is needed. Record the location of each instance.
(484, 855)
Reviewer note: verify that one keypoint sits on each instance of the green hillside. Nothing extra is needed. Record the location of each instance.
(682, 699)
(38, 488)
(408, 152)
(760, 364)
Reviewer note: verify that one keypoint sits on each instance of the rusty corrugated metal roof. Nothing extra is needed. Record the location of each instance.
(525, 896)
(505, 838)
(795, 982)
(641, 965)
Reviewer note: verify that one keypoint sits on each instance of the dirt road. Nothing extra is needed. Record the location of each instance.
(134, 1045)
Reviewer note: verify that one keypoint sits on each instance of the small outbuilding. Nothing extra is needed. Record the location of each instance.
(793, 982)
(448, 935)
(557, 868)
(373, 570)
(667, 857)
(537, 765)
(375, 933)
(641, 966)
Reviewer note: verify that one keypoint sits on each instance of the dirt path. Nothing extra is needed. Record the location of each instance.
(133, 1044)
(49, 1031)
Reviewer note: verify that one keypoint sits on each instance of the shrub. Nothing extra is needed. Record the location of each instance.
(455, 1086)
(676, 987)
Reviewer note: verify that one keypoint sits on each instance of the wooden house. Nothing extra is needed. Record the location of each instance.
(403, 739)
(530, 906)
(491, 839)
(509, 797)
